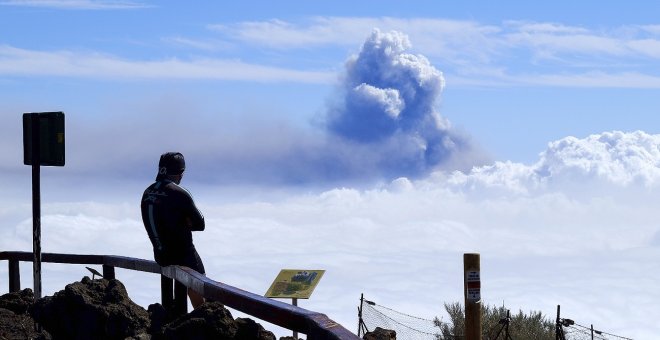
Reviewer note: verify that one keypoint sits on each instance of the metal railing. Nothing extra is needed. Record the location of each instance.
(175, 280)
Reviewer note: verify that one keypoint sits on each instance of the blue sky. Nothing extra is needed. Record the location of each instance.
(525, 131)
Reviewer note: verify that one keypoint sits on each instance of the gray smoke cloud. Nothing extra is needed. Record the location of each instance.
(388, 100)
(381, 123)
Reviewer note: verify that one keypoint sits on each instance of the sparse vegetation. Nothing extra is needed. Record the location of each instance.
(532, 325)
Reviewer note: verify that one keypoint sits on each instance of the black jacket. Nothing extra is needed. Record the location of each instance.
(169, 215)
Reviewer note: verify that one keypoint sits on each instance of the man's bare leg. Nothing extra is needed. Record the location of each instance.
(195, 298)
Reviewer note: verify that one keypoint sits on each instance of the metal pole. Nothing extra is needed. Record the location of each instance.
(558, 330)
(36, 204)
(360, 314)
(592, 332)
(294, 301)
(472, 292)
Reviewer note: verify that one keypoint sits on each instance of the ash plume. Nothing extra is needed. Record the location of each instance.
(387, 101)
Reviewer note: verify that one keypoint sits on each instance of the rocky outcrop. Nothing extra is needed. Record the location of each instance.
(249, 329)
(15, 322)
(213, 321)
(101, 309)
(91, 309)
(380, 334)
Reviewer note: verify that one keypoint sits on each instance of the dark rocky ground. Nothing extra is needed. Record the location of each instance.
(15, 322)
(380, 334)
(102, 309)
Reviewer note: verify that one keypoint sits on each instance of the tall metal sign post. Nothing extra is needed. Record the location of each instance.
(43, 144)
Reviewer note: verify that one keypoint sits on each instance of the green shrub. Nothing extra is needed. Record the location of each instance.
(521, 326)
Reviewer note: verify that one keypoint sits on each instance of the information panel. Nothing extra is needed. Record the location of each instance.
(294, 283)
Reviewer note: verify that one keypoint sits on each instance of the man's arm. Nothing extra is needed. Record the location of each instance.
(194, 218)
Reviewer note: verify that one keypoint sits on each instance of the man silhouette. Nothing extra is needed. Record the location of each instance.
(169, 215)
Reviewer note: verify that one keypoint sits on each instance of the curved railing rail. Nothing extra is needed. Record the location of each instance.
(177, 279)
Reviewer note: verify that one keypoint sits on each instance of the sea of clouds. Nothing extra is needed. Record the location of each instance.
(385, 196)
(579, 228)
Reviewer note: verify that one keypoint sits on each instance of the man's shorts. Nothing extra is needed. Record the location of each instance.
(189, 258)
(193, 261)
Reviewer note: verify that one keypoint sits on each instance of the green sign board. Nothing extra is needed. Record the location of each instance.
(51, 138)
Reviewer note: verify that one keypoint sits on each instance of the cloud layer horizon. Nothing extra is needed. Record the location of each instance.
(577, 228)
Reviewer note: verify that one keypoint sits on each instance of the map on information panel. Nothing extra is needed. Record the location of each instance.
(294, 283)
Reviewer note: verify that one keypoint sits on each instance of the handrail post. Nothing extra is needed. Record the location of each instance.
(166, 292)
(14, 276)
(108, 272)
(180, 298)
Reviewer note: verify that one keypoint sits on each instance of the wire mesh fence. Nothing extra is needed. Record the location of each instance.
(406, 326)
(498, 324)
(575, 331)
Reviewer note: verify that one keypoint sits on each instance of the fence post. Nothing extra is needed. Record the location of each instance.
(360, 314)
(472, 293)
(14, 276)
(559, 332)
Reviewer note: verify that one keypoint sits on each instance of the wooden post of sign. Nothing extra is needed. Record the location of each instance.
(472, 291)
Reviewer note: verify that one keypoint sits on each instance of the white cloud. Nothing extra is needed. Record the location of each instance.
(206, 45)
(514, 53)
(77, 4)
(281, 34)
(472, 53)
(21, 62)
(595, 79)
(653, 29)
(558, 39)
(443, 37)
(435, 37)
(611, 159)
(649, 47)
(546, 27)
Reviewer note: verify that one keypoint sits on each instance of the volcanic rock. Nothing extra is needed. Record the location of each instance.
(380, 334)
(213, 321)
(17, 302)
(91, 309)
(15, 323)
